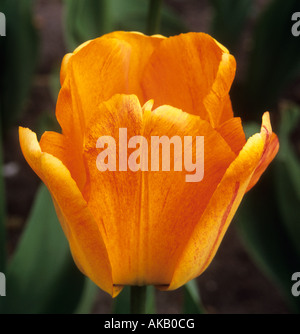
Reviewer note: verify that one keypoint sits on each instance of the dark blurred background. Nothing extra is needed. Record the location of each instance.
(252, 270)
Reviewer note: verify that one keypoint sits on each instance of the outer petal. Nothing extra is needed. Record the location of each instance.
(270, 150)
(60, 147)
(86, 243)
(65, 61)
(147, 217)
(191, 72)
(209, 231)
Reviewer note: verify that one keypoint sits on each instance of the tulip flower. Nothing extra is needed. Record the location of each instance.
(146, 227)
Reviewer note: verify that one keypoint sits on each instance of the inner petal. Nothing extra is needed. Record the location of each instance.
(146, 217)
(111, 64)
(191, 72)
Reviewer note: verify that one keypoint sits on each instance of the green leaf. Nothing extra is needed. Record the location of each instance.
(290, 119)
(274, 59)
(288, 203)
(264, 234)
(42, 277)
(121, 304)
(192, 301)
(88, 297)
(154, 17)
(18, 58)
(251, 128)
(86, 20)
(89, 19)
(132, 15)
(229, 19)
(287, 177)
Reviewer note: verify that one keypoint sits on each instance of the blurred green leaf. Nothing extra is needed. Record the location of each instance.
(154, 17)
(289, 203)
(86, 20)
(18, 58)
(274, 60)
(92, 18)
(42, 277)
(192, 301)
(88, 297)
(132, 15)
(46, 121)
(290, 119)
(287, 175)
(229, 19)
(250, 128)
(121, 304)
(263, 232)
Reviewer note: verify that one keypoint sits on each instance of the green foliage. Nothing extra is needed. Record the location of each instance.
(287, 175)
(154, 17)
(274, 60)
(89, 19)
(18, 58)
(88, 297)
(121, 304)
(192, 301)
(42, 276)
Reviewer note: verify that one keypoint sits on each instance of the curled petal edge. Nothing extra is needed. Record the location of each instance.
(89, 253)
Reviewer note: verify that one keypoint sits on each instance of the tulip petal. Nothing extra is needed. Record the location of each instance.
(64, 66)
(208, 233)
(86, 243)
(65, 61)
(191, 72)
(270, 150)
(70, 117)
(100, 68)
(60, 147)
(142, 47)
(232, 131)
(175, 205)
(147, 216)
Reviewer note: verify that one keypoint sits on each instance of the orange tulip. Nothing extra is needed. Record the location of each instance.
(147, 227)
